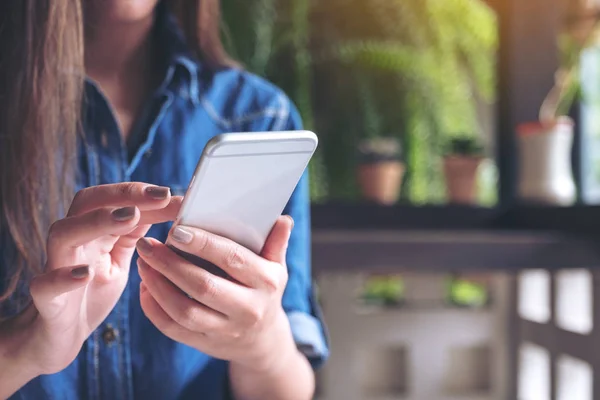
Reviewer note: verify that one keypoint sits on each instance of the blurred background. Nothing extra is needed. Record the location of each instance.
(455, 190)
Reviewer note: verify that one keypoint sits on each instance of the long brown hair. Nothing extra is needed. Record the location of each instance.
(41, 83)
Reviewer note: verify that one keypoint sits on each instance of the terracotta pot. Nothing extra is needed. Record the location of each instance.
(381, 181)
(461, 178)
(545, 174)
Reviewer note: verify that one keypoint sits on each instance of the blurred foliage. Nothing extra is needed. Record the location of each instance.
(383, 290)
(467, 293)
(464, 146)
(412, 69)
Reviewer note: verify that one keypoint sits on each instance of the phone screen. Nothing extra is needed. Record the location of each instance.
(241, 196)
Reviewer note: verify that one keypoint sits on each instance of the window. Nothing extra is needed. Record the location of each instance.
(574, 301)
(534, 295)
(574, 380)
(534, 373)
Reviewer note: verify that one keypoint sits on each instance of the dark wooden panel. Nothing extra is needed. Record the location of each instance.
(559, 341)
(583, 220)
(370, 216)
(376, 251)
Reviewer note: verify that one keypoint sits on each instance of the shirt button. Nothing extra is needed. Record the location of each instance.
(110, 335)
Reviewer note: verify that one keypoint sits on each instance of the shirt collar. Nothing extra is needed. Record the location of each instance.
(176, 53)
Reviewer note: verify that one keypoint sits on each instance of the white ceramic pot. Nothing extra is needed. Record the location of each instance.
(545, 173)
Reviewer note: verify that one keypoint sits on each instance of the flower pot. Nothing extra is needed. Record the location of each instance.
(545, 174)
(380, 182)
(461, 178)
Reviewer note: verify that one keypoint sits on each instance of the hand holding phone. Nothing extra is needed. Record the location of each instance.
(243, 182)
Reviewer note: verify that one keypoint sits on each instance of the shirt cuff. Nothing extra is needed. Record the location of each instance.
(310, 337)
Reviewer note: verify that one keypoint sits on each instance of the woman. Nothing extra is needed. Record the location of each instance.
(152, 85)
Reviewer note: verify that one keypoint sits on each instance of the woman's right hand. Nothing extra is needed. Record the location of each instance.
(89, 254)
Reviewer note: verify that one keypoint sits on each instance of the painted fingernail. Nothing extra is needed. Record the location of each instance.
(158, 192)
(80, 272)
(182, 235)
(144, 246)
(123, 214)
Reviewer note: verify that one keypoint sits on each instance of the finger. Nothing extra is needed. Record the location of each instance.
(71, 232)
(124, 247)
(218, 293)
(141, 195)
(275, 247)
(172, 329)
(240, 263)
(186, 312)
(129, 240)
(161, 319)
(169, 213)
(46, 289)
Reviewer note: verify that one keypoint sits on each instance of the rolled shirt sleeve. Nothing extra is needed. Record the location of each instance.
(299, 302)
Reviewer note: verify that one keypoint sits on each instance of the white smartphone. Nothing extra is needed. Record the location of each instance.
(243, 182)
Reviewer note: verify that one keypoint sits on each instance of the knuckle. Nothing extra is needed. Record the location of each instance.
(208, 288)
(255, 315)
(127, 189)
(234, 334)
(164, 325)
(284, 276)
(187, 317)
(203, 241)
(54, 231)
(78, 197)
(209, 325)
(271, 282)
(234, 257)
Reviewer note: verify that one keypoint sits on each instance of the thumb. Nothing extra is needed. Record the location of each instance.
(46, 289)
(276, 246)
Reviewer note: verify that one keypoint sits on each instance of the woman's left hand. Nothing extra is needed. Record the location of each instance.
(239, 319)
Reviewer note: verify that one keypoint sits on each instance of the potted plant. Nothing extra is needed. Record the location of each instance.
(383, 291)
(545, 173)
(380, 169)
(461, 162)
(468, 290)
(425, 79)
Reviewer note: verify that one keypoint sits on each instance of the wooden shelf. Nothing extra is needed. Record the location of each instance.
(360, 216)
(389, 239)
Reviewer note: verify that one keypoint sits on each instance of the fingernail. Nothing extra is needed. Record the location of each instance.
(158, 192)
(292, 221)
(182, 235)
(123, 214)
(142, 287)
(144, 246)
(80, 272)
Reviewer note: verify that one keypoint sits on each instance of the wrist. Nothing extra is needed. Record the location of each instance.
(275, 349)
(16, 345)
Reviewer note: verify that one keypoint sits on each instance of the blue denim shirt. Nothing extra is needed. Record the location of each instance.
(127, 357)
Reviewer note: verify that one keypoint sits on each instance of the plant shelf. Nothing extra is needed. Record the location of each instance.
(364, 237)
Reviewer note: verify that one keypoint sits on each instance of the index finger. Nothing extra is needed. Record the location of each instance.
(142, 195)
(237, 261)
(166, 214)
